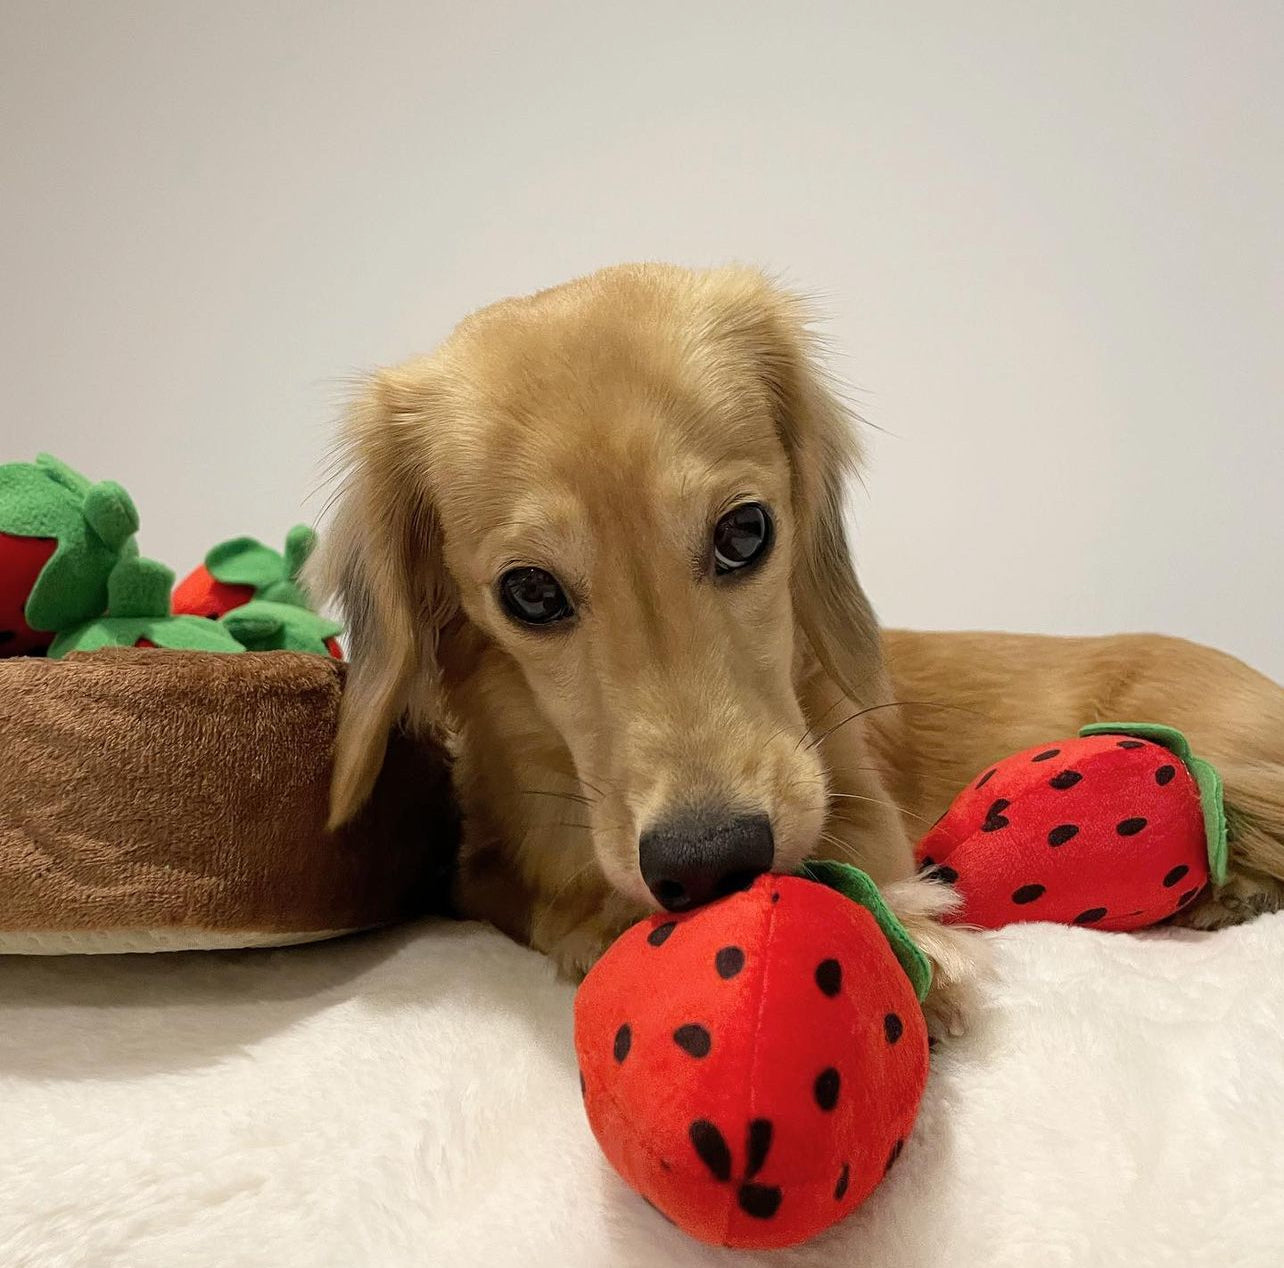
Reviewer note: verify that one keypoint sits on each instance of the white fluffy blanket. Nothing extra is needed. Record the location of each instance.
(410, 1098)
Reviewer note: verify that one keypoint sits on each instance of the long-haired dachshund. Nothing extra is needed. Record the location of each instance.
(596, 543)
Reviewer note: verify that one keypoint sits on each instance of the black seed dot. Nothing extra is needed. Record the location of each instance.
(829, 977)
(893, 1027)
(1164, 775)
(775, 895)
(1047, 755)
(994, 817)
(985, 779)
(211, 616)
(711, 1148)
(757, 1146)
(1028, 893)
(623, 1041)
(1130, 827)
(1090, 917)
(1187, 896)
(583, 1089)
(1178, 873)
(759, 1200)
(693, 1039)
(826, 1087)
(844, 1178)
(946, 874)
(1062, 833)
(660, 934)
(1132, 744)
(1067, 779)
(729, 961)
(895, 1153)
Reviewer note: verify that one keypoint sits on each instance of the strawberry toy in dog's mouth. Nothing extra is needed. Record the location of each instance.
(753, 1068)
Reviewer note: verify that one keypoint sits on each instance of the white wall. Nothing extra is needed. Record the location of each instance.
(1048, 237)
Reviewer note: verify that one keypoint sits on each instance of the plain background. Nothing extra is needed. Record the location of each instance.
(1047, 239)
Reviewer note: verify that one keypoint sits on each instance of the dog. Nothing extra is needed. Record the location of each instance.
(595, 544)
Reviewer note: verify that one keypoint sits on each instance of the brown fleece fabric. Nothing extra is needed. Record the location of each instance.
(171, 790)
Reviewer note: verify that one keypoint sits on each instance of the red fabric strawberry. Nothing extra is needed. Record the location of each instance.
(753, 1067)
(1117, 829)
(60, 537)
(242, 571)
(22, 559)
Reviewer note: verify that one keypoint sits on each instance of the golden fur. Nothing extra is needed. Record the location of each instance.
(597, 430)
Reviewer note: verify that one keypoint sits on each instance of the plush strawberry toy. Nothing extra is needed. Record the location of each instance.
(138, 601)
(243, 570)
(1119, 828)
(60, 537)
(754, 1067)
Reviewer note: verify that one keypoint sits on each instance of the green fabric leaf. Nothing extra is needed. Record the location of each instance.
(173, 633)
(92, 525)
(1207, 779)
(61, 473)
(300, 542)
(264, 626)
(111, 514)
(139, 587)
(852, 883)
(245, 561)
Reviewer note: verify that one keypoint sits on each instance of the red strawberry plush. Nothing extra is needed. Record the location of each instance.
(242, 571)
(753, 1068)
(60, 537)
(1118, 828)
(22, 559)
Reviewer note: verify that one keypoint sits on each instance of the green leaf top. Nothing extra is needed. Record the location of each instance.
(274, 576)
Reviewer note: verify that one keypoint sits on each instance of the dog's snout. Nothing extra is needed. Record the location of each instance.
(695, 856)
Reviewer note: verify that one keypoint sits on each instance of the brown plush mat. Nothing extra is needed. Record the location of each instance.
(155, 800)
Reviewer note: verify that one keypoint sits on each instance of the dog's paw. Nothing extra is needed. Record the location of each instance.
(1242, 898)
(961, 961)
(577, 949)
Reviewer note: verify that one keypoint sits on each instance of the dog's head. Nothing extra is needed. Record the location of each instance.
(611, 514)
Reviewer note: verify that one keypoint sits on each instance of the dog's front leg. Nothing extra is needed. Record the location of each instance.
(867, 829)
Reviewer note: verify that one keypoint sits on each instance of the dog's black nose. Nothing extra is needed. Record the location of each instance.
(696, 856)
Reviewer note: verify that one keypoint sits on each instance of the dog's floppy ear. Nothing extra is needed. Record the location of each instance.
(820, 438)
(381, 559)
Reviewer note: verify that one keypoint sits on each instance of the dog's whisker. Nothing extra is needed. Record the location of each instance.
(879, 801)
(776, 734)
(548, 792)
(892, 704)
(842, 846)
(593, 788)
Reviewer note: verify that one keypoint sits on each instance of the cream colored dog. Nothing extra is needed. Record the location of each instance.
(596, 543)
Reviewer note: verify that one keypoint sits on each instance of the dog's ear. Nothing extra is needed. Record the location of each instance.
(382, 560)
(819, 436)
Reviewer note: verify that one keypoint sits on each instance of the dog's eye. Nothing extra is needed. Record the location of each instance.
(533, 596)
(741, 537)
